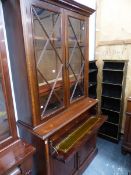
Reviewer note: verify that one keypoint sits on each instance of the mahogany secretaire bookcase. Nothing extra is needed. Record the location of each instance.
(48, 44)
(15, 154)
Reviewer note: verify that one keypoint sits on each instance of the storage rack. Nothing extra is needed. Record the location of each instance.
(114, 76)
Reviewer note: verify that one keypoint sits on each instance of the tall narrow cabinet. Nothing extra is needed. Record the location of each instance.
(48, 46)
(113, 86)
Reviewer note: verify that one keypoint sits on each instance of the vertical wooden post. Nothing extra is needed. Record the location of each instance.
(48, 166)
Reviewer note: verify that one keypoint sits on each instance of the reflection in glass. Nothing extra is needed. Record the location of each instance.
(48, 54)
(76, 61)
(4, 126)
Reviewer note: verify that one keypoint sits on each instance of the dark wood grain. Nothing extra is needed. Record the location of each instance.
(15, 155)
(73, 6)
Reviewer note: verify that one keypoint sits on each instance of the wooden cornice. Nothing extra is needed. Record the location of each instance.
(73, 5)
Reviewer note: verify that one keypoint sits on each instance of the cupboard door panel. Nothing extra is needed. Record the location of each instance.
(85, 151)
(69, 167)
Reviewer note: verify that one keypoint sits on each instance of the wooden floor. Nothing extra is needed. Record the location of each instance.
(109, 160)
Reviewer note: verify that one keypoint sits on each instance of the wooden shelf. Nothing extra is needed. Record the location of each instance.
(45, 88)
(110, 130)
(115, 70)
(92, 70)
(57, 42)
(112, 116)
(40, 38)
(110, 138)
(110, 110)
(112, 123)
(115, 84)
(111, 97)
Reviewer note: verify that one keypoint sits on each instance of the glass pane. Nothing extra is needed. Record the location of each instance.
(48, 54)
(76, 57)
(4, 125)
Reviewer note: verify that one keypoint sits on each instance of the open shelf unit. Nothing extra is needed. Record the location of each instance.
(93, 70)
(114, 73)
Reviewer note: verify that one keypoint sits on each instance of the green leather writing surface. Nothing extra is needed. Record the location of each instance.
(67, 143)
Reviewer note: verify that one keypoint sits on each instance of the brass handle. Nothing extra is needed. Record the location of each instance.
(53, 149)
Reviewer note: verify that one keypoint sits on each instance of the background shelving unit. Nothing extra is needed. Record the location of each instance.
(114, 73)
(93, 70)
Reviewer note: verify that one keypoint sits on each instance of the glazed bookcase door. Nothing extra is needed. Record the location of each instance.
(77, 55)
(48, 46)
(4, 124)
(7, 121)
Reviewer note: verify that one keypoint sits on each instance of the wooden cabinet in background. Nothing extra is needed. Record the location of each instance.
(126, 145)
(15, 154)
(48, 44)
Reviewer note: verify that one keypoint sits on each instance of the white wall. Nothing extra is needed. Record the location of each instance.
(91, 4)
(113, 39)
